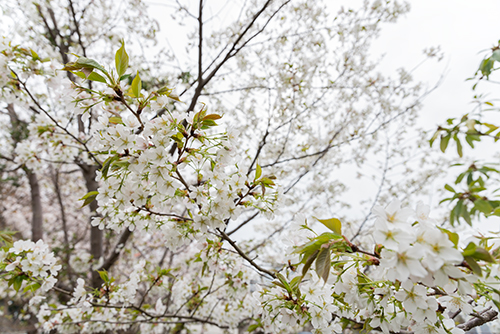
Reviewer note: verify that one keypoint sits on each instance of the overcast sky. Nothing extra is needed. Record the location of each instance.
(462, 29)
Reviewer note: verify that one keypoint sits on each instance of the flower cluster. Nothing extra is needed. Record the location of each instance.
(219, 295)
(145, 186)
(31, 262)
(417, 279)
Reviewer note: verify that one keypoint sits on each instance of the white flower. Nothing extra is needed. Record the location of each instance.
(422, 213)
(48, 283)
(79, 289)
(455, 302)
(412, 295)
(391, 237)
(21, 246)
(380, 321)
(440, 250)
(392, 214)
(11, 266)
(402, 263)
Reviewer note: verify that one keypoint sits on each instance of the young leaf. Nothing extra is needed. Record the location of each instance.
(136, 86)
(444, 142)
(104, 275)
(482, 254)
(309, 262)
(89, 198)
(32, 287)
(483, 206)
(449, 188)
(283, 281)
(333, 224)
(18, 281)
(434, 137)
(164, 91)
(121, 60)
(459, 145)
(323, 263)
(253, 327)
(258, 171)
(107, 164)
(116, 120)
(96, 77)
(470, 249)
(212, 117)
(473, 265)
(496, 55)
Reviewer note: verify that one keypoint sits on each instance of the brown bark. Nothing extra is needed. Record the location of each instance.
(96, 235)
(18, 133)
(115, 253)
(36, 207)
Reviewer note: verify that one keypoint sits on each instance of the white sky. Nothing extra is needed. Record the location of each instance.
(462, 29)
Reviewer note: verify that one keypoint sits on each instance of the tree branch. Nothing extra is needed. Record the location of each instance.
(484, 317)
(224, 236)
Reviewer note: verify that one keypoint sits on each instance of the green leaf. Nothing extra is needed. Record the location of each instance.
(107, 164)
(283, 281)
(496, 55)
(89, 63)
(309, 262)
(212, 117)
(18, 282)
(444, 142)
(471, 138)
(459, 145)
(136, 86)
(85, 65)
(104, 275)
(125, 76)
(486, 66)
(164, 91)
(483, 254)
(473, 265)
(258, 171)
(483, 206)
(267, 182)
(333, 224)
(453, 237)
(434, 137)
(115, 120)
(294, 283)
(449, 188)
(89, 198)
(470, 249)
(121, 60)
(32, 287)
(466, 215)
(96, 77)
(80, 74)
(34, 55)
(174, 97)
(6, 236)
(323, 263)
(253, 327)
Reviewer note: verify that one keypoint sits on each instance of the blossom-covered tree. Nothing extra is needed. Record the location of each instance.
(137, 173)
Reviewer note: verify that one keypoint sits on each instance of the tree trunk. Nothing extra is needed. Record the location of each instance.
(36, 207)
(18, 133)
(96, 235)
